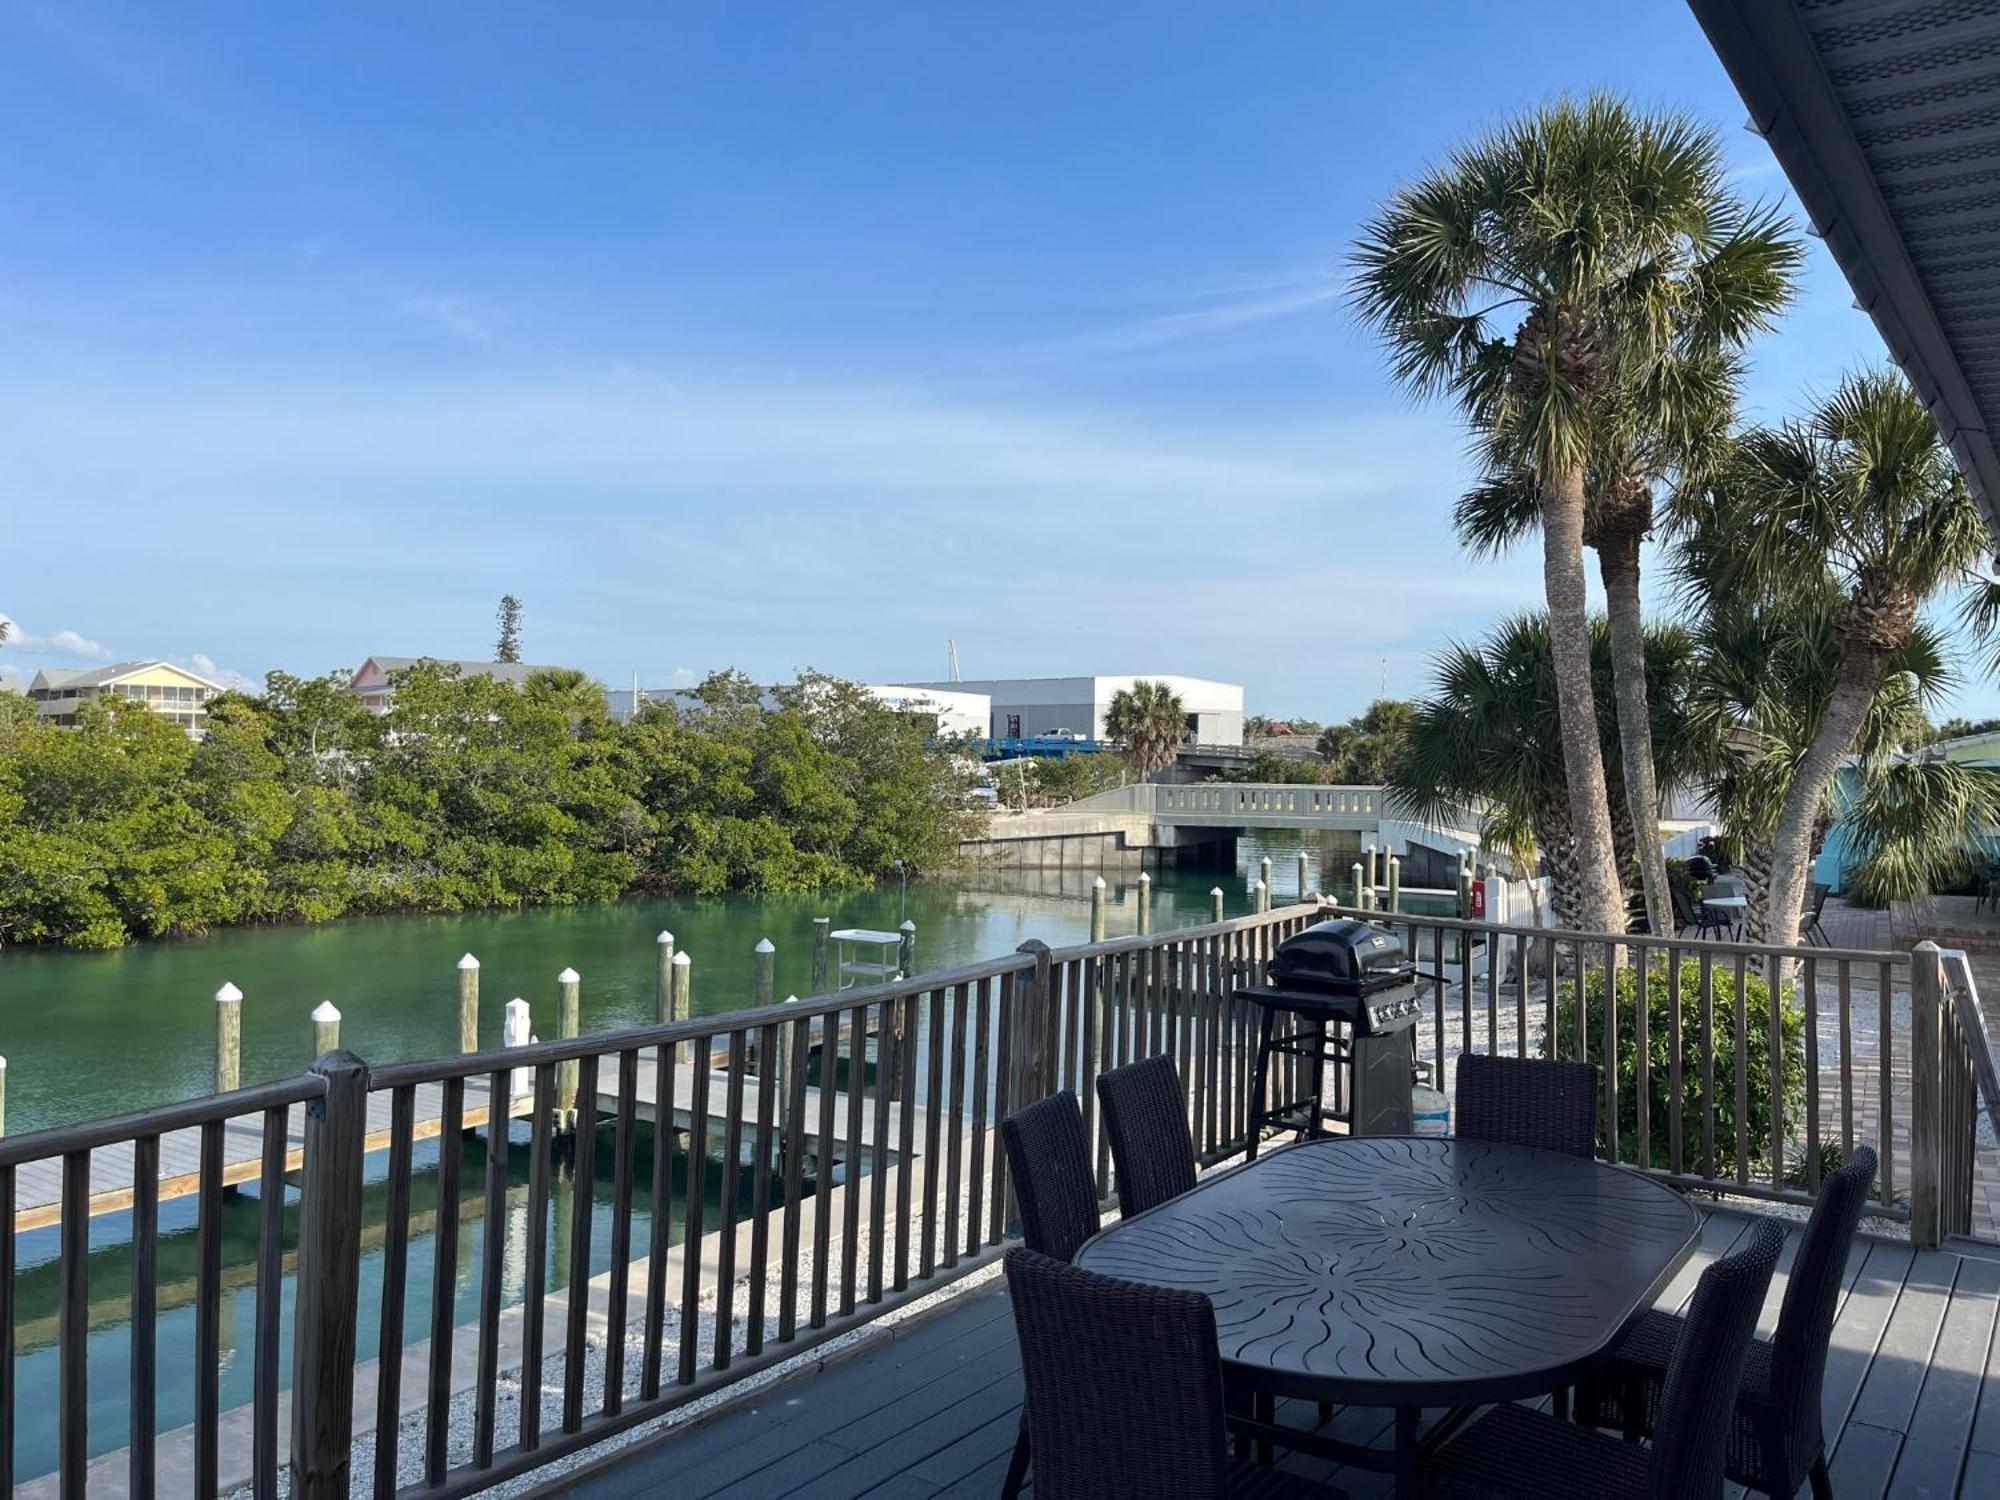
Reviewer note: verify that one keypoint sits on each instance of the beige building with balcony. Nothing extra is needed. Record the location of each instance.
(171, 691)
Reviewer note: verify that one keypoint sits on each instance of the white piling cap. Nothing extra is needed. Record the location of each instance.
(908, 926)
(1097, 884)
(1215, 890)
(682, 958)
(227, 994)
(517, 1000)
(664, 938)
(568, 976)
(468, 962)
(765, 945)
(325, 1011)
(1144, 878)
(1256, 885)
(791, 999)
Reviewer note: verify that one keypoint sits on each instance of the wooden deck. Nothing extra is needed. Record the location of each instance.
(929, 1407)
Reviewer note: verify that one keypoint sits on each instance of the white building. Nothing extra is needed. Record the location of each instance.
(958, 711)
(1026, 706)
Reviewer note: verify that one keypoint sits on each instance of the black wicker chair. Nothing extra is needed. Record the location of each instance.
(1527, 1101)
(1775, 1442)
(1145, 1117)
(1809, 924)
(1048, 1161)
(1123, 1391)
(1516, 1451)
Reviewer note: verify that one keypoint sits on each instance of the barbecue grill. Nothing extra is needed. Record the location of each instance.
(1347, 994)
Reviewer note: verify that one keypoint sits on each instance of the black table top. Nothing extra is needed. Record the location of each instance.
(1398, 1271)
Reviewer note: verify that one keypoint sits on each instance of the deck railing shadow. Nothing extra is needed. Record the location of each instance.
(809, 1167)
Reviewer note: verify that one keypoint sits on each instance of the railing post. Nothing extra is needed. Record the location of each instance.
(1926, 1096)
(328, 1280)
(1035, 1031)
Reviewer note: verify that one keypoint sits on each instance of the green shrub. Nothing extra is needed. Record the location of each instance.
(1694, 1042)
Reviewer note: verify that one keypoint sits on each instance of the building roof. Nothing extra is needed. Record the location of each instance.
(505, 671)
(1886, 118)
(83, 677)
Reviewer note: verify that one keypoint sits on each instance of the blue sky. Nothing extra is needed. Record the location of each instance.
(761, 336)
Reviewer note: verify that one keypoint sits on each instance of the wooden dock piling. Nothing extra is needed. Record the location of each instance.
(569, 1023)
(228, 1039)
(766, 954)
(1097, 892)
(906, 950)
(1305, 874)
(1395, 883)
(468, 1004)
(1145, 902)
(1260, 896)
(663, 977)
(1215, 903)
(821, 927)
(326, 1028)
(682, 1006)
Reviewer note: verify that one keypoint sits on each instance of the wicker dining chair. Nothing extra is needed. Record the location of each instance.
(1145, 1117)
(1514, 1450)
(1122, 1391)
(1048, 1161)
(1775, 1440)
(1527, 1101)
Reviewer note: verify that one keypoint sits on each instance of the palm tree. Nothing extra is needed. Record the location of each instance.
(1916, 825)
(1149, 724)
(1486, 735)
(1611, 237)
(1860, 512)
(1340, 747)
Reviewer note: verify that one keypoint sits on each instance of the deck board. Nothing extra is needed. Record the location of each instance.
(931, 1408)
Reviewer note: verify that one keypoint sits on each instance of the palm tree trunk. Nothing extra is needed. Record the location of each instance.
(1753, 864)
(1603, 895)
(1861, 674)
(1557, 848)
(1618, 565)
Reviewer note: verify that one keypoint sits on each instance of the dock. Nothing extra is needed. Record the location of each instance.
(38, 1185)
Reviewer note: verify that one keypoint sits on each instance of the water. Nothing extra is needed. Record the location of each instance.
(93, 1034)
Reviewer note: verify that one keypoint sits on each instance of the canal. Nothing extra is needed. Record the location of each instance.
(93, 1034)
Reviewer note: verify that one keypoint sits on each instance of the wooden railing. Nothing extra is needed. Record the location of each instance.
(1877, 1048)
(828, 1161)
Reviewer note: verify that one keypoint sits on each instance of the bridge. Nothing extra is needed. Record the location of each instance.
(1132, 825)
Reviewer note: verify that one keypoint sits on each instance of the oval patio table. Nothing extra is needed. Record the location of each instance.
(1404, 1272)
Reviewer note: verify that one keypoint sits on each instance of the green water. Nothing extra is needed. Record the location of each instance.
(93, 1034)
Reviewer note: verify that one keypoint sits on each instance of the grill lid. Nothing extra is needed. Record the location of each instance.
(1341, 955)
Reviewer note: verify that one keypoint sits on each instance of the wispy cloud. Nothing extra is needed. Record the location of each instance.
(229, 677)
(457, 316)
(65, 643)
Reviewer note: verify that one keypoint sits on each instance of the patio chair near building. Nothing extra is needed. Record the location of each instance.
(1810, 930)
(1145, 1118)
(1775, 1440)
(1123, 1391)
(1704, 920)
(1513, 1450)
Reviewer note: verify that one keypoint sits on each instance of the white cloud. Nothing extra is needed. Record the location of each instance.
(66, 643)
(229, 677)
(455, 315)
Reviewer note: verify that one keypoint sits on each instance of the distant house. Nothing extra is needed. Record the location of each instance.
(1076, 706)
(1837, 855)
(372, 682)
(171, 691)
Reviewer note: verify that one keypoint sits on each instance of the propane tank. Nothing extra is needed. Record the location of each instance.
(1430, 1111)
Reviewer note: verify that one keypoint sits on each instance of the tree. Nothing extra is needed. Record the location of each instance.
(1860, 499)
(1486, 737)
(1601, 229)
(1149, 724)
(508, 617)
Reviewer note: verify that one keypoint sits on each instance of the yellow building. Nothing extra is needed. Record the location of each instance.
(174, 691)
